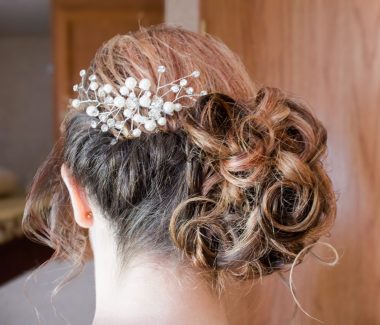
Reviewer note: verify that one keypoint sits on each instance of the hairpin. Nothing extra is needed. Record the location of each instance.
(133, 103)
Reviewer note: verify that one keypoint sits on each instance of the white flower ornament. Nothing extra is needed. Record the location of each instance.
(121, 110)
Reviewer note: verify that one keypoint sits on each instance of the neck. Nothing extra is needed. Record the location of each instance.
(149, 289)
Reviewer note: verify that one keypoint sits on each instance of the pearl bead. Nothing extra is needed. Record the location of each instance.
(127, 113)
(168, 107)
(150, 125)
(130, 82)
(113, 142)
(104, 127)
(119, 101)
(161, 69)
(93, 85)
(92, 77)
(75, 103)
(144, 101)
(75, 87)
(82, 73)
(107, 88)
(144, 84)
(92, 111)
(177, 107)
(94, 124)
(136, 132)
(203, 93)
(196, 74)
(154, 113)
(161, 121)
(124, 90)
(174, 88)
(183, 82)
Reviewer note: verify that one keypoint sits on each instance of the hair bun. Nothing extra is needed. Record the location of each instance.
(264, 194)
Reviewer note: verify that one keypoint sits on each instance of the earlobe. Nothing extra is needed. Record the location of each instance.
(82, 211)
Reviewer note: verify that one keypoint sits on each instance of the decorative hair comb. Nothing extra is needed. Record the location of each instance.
(133, 103)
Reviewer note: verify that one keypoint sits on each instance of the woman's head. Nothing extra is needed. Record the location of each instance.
(234, 185)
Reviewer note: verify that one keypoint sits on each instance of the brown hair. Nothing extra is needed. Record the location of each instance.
(234, 184)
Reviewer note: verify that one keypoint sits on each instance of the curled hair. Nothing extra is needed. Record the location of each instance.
(234, 185)
(264, 195)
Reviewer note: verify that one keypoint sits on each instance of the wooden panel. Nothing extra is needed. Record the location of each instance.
(80, 27)
(328, 53)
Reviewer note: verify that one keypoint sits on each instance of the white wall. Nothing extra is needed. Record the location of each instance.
(25, 103)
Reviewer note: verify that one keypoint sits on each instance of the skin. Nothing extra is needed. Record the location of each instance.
(148, 290)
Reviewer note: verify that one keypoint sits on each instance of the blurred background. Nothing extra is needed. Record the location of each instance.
(326, 52)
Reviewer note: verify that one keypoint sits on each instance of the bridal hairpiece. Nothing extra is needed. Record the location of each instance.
(133, 104)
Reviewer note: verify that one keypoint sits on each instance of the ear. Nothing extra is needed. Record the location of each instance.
(79, 201)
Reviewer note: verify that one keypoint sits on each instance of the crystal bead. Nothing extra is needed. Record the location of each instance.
(136, 132)
(75, 87)
(203, 93)
(161, 69)
(155, 113)
(82, 73)
(92, 77)
(195, 74)
(94, 124)
(94, 85)
(131, 103)
(104, 127)
(189, 90)
(174, 88)
(103, 117)
(113, 142)
(183, 82)
(130, 82)
(111, 122)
